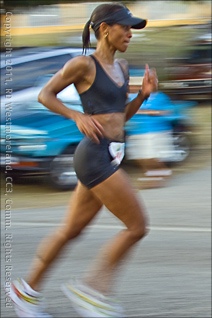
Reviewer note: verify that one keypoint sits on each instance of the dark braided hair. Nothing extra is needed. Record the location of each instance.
(97, 17)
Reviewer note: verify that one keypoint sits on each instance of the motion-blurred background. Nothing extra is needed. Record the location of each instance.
(177, 36)
(171, 274)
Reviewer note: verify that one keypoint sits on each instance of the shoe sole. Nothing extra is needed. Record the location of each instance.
(21, 312)
(85, 310)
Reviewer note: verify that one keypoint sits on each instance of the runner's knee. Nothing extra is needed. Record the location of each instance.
(138, 232)
(69, 233)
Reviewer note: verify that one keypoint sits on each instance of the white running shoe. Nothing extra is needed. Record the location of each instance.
(26, 301)
(89, 303)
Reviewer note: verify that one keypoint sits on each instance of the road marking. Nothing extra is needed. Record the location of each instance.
(118, 227)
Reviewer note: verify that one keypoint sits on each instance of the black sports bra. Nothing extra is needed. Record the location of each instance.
(104, 95)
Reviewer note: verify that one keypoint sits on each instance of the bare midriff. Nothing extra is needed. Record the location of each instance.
(113, 124)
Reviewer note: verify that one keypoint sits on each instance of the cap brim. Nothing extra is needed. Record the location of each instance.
(135, 23)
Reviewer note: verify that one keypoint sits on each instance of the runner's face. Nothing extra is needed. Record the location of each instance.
(119, 36)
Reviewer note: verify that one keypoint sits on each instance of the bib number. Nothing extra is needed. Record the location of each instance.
(116, 150)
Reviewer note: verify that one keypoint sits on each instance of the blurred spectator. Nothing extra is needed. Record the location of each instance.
(154, 143)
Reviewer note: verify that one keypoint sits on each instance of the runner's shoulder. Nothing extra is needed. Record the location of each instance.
(81, 61)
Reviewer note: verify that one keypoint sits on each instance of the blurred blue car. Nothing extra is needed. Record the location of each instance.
(36, 141)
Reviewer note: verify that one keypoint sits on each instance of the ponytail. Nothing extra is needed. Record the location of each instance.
(101, 14)
(86, 37)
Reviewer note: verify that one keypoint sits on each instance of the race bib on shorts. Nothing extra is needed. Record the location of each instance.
(116, 150)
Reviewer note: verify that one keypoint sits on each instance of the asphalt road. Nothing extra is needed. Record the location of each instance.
(169, 274)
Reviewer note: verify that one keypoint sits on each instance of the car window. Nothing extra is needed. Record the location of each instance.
(200, 54)
(35, 106)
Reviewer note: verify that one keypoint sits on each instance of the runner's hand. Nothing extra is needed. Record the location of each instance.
(89, 127)
(150, 81)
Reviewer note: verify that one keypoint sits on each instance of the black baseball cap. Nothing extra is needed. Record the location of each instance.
(122, 17)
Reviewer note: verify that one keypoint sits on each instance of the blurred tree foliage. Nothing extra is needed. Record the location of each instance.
(32, 3)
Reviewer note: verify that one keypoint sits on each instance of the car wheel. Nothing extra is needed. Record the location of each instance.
(62, 175)
(182, 147)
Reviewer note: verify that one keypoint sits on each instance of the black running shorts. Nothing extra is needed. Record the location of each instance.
(92, 162)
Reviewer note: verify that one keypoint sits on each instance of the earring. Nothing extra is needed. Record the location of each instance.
(106, 34)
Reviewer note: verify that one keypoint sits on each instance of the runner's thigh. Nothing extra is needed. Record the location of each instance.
(118, 195)
(82, 208)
